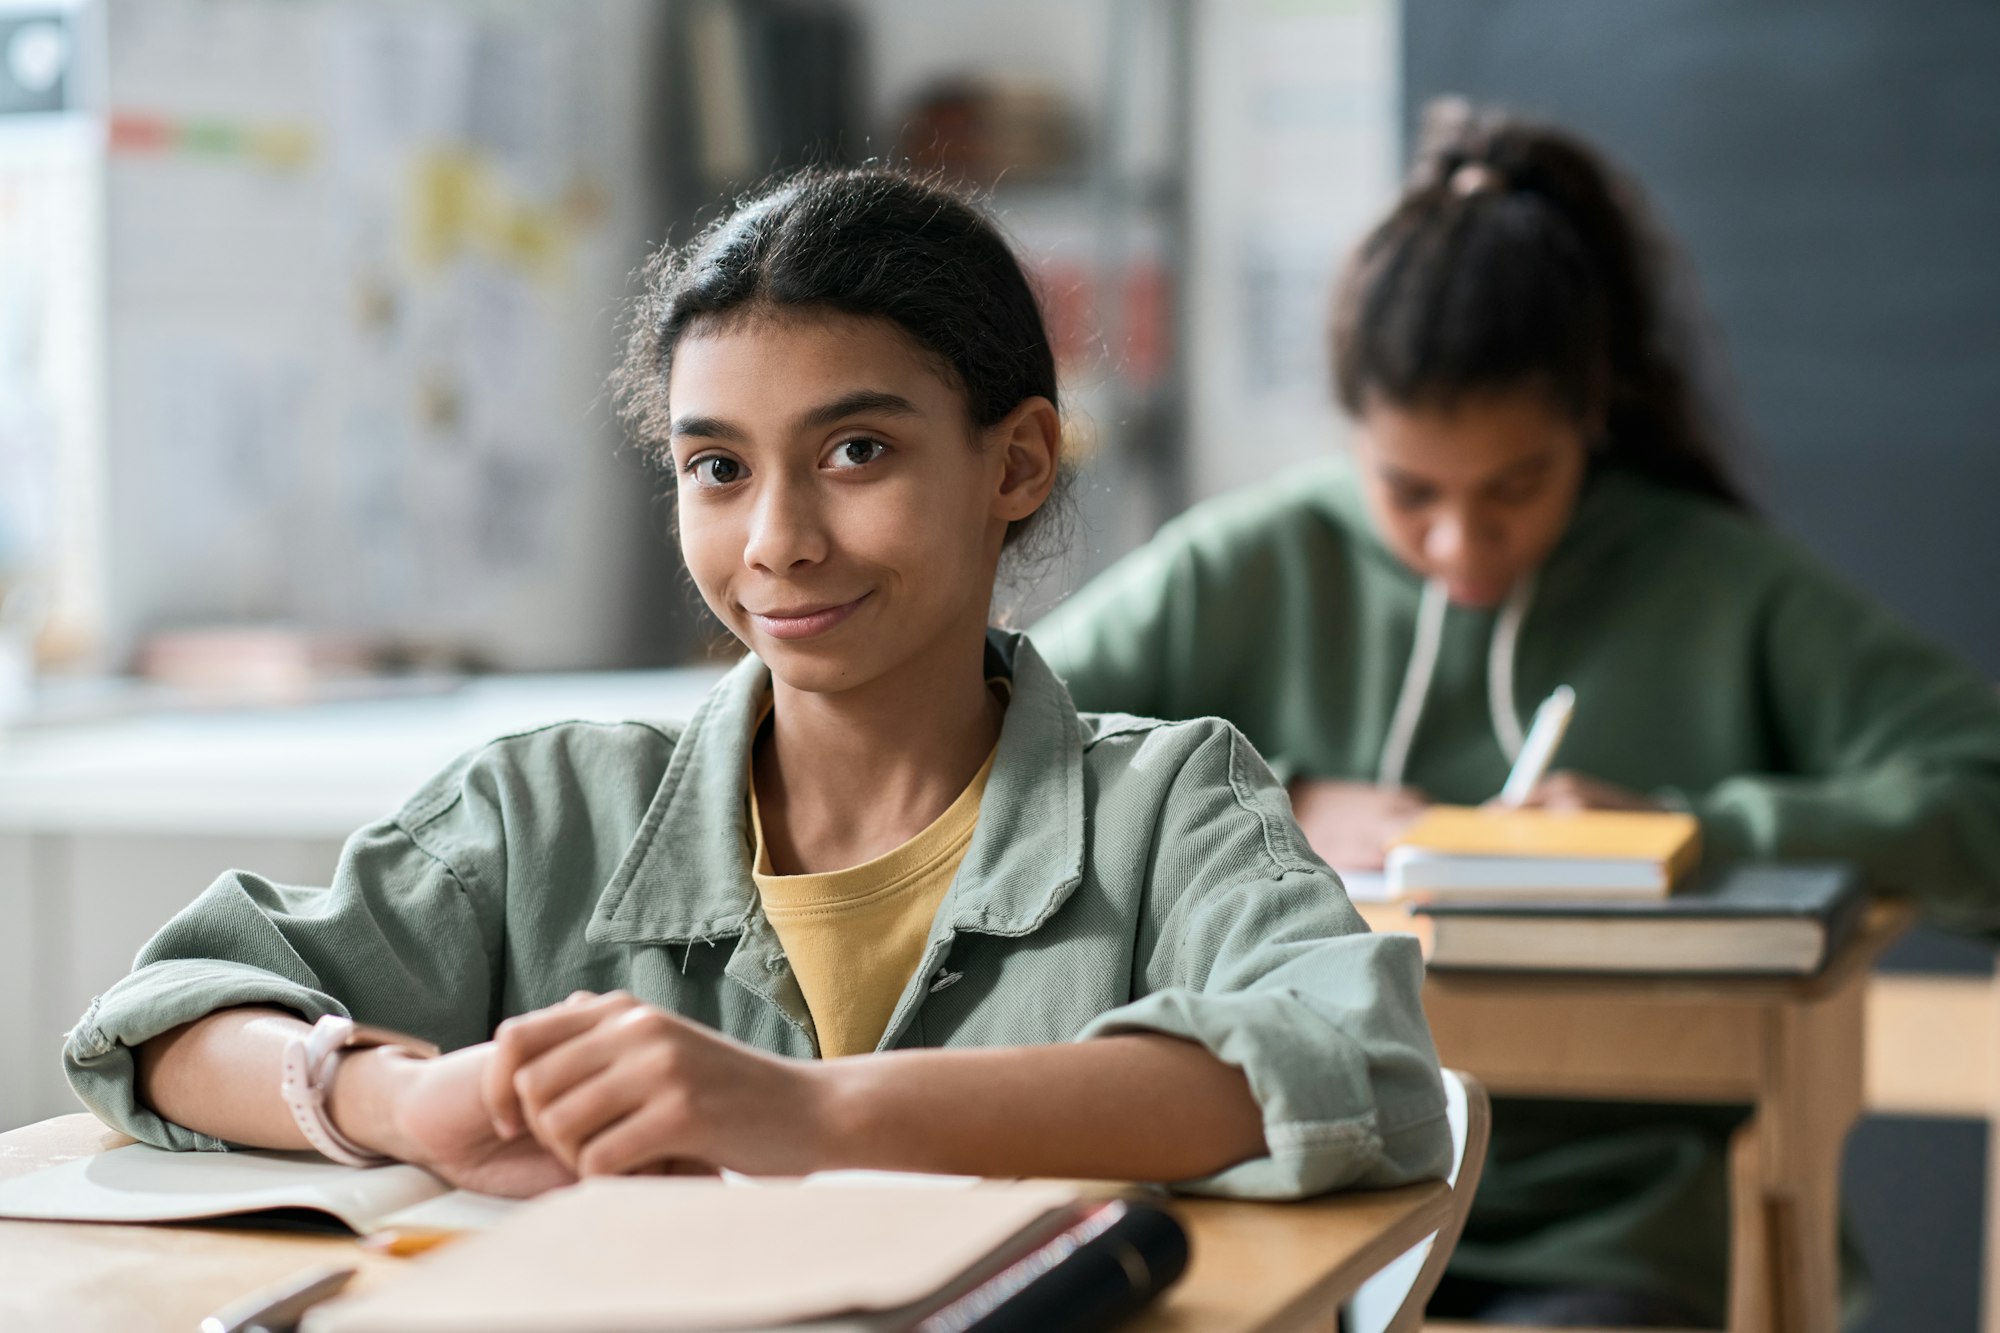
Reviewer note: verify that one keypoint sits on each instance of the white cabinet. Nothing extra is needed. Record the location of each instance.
(107, 830)
(77, 907)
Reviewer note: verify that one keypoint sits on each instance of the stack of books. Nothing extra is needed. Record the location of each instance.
(1496, 889)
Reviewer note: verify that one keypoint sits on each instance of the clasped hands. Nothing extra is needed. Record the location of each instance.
(606, 1085)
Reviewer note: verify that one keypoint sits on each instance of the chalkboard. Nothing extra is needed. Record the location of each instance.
(1832, 169)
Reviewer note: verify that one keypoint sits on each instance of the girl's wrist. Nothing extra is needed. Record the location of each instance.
(366, 1096)
(843, 1101)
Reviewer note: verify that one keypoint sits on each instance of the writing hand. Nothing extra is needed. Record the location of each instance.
(1574, 791)
(1350, 824)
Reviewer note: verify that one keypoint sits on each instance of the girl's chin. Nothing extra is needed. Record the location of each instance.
(799, 669)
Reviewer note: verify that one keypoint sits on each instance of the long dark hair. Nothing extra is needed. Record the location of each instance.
(1517, 257)
(868, 241)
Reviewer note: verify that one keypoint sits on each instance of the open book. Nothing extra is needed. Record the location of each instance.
(138, 1183)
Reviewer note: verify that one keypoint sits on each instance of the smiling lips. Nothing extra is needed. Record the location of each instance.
(804, 622)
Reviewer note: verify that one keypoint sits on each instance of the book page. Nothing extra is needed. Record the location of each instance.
(138, 1183)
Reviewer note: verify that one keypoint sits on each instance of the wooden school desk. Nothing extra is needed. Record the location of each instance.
(1256, 1266)
(1789, 1049)
(1934, 1050)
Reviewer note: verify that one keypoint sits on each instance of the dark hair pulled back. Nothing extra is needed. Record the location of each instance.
(870, 241)
(1518, 258)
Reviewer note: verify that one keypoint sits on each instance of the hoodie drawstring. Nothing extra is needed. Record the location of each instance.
(1422, 669)
(1416, 686)
(1500, 669)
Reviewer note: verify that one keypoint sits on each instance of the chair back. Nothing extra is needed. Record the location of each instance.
(1393, 1300)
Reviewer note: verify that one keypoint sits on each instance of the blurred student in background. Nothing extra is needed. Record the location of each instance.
(1536, 496)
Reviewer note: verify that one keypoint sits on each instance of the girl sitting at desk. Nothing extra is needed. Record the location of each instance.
(1535, 497)
(1042, 943)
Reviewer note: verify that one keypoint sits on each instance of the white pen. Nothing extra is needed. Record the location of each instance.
(1544, 735)
(279, 1308)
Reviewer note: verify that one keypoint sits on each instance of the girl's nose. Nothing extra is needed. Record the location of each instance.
(1446, 543)
(786, 531)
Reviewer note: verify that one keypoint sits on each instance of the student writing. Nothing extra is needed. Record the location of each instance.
(1536, 496)
(1042, 943)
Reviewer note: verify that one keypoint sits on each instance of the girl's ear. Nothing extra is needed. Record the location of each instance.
(1029, 439)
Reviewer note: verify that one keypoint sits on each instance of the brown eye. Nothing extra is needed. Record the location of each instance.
(860, 452)
(1522, 487)
(714, 470)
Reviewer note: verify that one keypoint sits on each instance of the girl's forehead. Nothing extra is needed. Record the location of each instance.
(775, 379)
(1485, 428)
(777, 351)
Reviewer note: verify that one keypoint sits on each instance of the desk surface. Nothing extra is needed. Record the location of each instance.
(1255, 1266)
(1640, 1038)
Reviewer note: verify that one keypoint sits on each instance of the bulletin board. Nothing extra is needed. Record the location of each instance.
(364, 265)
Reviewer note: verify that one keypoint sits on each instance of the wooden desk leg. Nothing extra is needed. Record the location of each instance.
(1990, 1277)
(1751, 1297)
(1812, 1096)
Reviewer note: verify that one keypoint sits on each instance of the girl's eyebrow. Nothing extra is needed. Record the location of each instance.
(708, 428)
(847, 405)
(1522, 467)
(853, 404)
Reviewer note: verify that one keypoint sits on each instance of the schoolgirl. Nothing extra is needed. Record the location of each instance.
(887, 899)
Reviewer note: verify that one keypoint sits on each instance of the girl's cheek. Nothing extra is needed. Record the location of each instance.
(706, 555)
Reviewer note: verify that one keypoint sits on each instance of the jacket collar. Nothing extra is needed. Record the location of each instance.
(685, 878)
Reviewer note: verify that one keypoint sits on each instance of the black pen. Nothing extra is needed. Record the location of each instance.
(278, 1309)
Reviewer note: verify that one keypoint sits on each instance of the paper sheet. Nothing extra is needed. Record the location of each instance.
(138, 1183)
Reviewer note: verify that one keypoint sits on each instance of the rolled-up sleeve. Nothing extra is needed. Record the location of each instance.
(1261, 959)
(397, 939)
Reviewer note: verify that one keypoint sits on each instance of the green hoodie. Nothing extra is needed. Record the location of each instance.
(1715, 666)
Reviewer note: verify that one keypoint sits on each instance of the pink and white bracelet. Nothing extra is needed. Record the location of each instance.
(306, 1078)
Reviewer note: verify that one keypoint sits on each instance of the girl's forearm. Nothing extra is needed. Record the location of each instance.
(219, 1075)
(1138, 1107)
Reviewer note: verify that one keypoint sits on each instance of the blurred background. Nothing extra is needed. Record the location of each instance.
(307, 471)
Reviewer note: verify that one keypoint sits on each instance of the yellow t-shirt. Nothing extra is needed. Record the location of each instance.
(854, 936)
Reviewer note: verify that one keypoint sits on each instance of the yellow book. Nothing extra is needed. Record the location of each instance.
(1484, 853)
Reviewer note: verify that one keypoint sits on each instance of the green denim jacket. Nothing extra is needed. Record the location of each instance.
(1125, 876)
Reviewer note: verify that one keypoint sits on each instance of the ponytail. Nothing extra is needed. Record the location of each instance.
(1517, 258)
